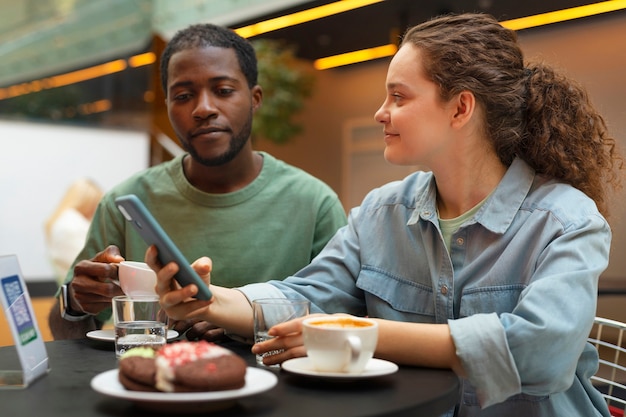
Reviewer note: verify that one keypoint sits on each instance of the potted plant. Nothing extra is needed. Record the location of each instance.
(287, 82)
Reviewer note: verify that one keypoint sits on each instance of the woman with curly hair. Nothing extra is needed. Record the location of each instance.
(487, 263)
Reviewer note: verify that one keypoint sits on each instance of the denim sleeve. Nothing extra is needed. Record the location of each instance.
(535, 348)
(483, 350)
(260, 290)
(329, 281)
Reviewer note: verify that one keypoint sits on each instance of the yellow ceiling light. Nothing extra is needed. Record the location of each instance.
(297, 18)
(301, 17)
(98, 106)
(514, 24)
(86, 74)
(142, 59)
(565, 14)
(354, 57)
(77, 76)
(63, 79)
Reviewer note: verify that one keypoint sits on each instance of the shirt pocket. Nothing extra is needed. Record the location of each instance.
(493, 299)
(388, 295)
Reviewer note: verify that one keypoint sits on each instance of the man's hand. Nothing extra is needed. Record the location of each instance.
(90, 291)
(195, 329)
(95, 282)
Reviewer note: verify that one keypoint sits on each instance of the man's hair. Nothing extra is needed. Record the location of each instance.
(206, 35)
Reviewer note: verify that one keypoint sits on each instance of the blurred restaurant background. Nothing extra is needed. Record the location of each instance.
(80, 94)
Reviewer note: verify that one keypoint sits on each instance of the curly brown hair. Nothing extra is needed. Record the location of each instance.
(531, 112)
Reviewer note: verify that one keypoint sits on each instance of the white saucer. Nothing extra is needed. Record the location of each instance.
(108, 335)
(257, 381)
(374, 368)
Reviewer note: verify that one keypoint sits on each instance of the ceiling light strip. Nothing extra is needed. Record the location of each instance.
(77, 76)
(302, 17)
(87, 73)
(565, 14)
(356, 56)
(514, 24)
(142, 59)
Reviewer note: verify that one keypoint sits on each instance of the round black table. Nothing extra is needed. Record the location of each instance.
(66, 392)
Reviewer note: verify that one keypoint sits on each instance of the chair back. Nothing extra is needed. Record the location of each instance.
(609, 338)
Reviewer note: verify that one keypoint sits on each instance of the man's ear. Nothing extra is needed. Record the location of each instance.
(464, 108)
(257, 97)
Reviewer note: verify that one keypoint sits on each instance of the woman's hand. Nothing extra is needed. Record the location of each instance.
(176, 301)
(288, 341)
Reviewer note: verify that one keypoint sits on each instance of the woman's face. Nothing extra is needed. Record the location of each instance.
(417, 124)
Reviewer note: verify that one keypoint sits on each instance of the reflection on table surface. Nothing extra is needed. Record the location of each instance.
(66, 391)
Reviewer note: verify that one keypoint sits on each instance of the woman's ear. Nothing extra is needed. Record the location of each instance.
(465, 105)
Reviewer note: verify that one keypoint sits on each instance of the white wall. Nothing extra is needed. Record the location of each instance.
(38, 163)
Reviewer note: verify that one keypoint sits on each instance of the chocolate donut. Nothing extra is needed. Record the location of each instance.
(221, 373)
(198, 366)
(138, 374)
(182, 367)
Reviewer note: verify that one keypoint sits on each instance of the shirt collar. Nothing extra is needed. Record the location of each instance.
(498, 212)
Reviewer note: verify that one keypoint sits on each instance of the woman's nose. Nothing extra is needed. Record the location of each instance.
(381, 114)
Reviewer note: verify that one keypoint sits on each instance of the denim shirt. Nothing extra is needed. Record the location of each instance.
(518, 287)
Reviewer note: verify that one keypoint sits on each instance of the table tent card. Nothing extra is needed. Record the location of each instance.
(20, 315)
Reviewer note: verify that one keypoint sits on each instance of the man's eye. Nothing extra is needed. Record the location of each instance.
(225, 91)
(181, 97)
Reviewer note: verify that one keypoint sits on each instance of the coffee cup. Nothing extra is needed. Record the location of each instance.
(136, 278)
(340, 344)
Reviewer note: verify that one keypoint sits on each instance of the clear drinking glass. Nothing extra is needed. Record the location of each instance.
(271, 311)
(138, 322)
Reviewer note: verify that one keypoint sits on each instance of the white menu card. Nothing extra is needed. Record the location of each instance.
(19, 313)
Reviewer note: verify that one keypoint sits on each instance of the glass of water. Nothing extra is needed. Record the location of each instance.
(138, 321)
(268, 312)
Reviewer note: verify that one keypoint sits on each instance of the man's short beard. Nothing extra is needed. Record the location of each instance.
(236, 145)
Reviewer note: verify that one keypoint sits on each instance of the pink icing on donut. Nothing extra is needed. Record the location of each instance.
(180, 353)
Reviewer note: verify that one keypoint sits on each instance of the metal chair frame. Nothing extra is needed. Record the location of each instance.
(609, 338)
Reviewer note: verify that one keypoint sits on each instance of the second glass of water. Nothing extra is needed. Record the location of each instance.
(138, 322)
(268, 312)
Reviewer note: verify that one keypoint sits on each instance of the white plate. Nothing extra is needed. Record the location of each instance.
(257, 381)
(108, 335)
(375, 367)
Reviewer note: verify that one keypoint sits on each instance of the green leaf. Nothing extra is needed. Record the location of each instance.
(287, 82)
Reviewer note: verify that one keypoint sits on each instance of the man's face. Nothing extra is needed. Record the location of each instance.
(209, 103)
